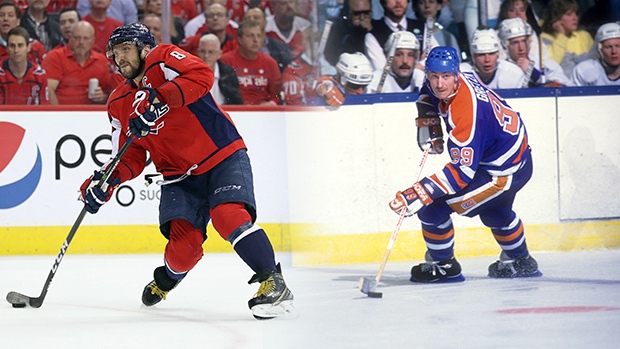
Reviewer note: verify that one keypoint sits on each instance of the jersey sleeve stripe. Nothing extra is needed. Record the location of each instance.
(521, 151)
(454, 173)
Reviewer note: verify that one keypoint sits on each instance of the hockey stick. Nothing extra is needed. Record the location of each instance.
(543, 78)
(326, 29)
(388, 63)
(367, 285)
(19, 300)
(428, 34)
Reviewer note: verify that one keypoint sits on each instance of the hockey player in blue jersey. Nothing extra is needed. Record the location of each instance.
(490, 162)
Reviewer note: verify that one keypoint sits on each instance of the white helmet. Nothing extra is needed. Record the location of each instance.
(607, 31)
(513, 28)
(406, 40)
(354, 68)
(484, 41)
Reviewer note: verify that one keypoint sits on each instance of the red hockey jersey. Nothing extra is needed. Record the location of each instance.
(28, 90)
(192, 130)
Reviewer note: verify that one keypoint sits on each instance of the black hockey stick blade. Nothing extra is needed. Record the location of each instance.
(19, 300)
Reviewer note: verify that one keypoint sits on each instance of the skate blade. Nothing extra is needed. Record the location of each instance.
(283, 310)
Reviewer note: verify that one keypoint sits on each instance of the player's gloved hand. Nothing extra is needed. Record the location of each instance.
(93, 195)
(411, 200)
(429, 128)
(144, 109)
(328, 88)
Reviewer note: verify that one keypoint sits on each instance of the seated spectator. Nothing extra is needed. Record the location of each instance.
(103, 25)
(67, 18)
(567, 45)
(153, 22)
(393, 20)
(69, 69)
(238, 8)
(9, 19)
(177, 33)
(285, 26)
(402, 75)
(515, 35)
(298, 81)
(424, 9)
(522, 9)
(354, 74)
(258, 74)
(347, 34)
(184, 10)
(21, 82)
(494, 72)
(121, 10)
(54, 6)
(225, 89)
(198, 24)
(606, 69)
(217, 20)
(277, 49)
(39, 25)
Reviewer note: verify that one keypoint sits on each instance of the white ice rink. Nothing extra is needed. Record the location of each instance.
(94, 302)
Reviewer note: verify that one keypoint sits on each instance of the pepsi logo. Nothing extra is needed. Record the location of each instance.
(20, 165)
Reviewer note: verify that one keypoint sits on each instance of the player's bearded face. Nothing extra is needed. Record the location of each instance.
(128, 60)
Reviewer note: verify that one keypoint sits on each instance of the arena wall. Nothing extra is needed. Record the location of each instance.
(323, 179)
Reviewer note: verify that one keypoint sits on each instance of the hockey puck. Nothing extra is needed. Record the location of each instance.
(375, 294)
(19, 305)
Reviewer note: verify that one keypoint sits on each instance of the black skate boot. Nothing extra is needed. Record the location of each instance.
(514, 268)
(448, 270)
(273, 298)
(157, 289)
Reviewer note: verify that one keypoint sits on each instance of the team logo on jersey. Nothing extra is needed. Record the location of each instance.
(20, 165)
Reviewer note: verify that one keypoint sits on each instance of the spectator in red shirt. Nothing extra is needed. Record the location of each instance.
(217, 20)
(9, 18)
(104, 25)
(153, 22)
(258, 74)
(285, 26)
(21, 82)
(198, 24)
(69, 69)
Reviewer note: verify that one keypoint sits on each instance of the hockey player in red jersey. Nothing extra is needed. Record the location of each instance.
(490, 163)
(166, 104)
(21, 82)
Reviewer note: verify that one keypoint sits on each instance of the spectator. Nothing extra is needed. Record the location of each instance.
(121, 10)
(606, 69)
(21, 82)
(567, 44)
(494, 72)
(285, 26)
(103, 25)
(393, 20)
(69, 69)
(225, 89)
(347, 34)
(515, 35)
(9, 19)
(39, 25)
(198, 24)
(67, 18)
(217, 20)
(184, 10)
(402, 76)
(54, 6)
(177, 33)
(277, 49)
(354, 73)
(258, 74)
(522, 9)
(424, 9)
(153, 22)
(239, 8)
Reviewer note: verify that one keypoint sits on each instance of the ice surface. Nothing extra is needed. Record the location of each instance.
(94, 302)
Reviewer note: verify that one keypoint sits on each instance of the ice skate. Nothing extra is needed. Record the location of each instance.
(448, 270)
(273, 298)
(514, 268)
(157, 289)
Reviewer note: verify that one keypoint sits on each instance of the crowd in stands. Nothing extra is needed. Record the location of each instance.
(275, 52)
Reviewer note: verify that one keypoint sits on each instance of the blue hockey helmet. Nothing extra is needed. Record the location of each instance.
(442, 59)
(135, 33)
